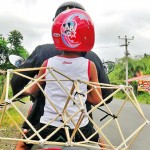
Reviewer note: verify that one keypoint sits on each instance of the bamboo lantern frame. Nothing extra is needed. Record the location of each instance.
(125, 142)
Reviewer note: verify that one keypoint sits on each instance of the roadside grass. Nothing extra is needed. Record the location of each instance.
(142, 97)
(7, 121)
(9, 130)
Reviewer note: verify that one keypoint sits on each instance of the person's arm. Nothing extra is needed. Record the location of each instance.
(34, 89)
(31, 62)
(93, 97)
(102, 76)
(36, 59)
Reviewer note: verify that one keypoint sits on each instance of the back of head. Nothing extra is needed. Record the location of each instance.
(73, 30)
(68, 5)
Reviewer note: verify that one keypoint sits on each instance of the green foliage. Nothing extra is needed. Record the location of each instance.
(138, 63)
(134, 84)
(9, 46)
(20, 51)
(144, 97)
(143, 64)
(14, 38)
(4, 52)
(2, 78)
(7, 122)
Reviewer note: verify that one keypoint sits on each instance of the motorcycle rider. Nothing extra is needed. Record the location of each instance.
(36, 59)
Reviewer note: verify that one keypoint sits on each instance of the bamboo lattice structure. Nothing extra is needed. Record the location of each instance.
(109, 116)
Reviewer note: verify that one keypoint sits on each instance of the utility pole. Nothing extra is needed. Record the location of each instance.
(126, 53)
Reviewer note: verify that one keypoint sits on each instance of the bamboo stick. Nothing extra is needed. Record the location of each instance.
(100, 131)
(6, 95)
(3, 93)
(121, 133)
(58, 128)
(137, 130)
(65, 90)
(66, 127)
(44, 126)
(26, 120)
(16, 124)
(77, 125)
(137, 107)
(64, 114)
(133, 139)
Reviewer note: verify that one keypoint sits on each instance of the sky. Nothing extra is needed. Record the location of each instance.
(112, 18)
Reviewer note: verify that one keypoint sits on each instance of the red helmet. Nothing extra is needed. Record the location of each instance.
(73, 30)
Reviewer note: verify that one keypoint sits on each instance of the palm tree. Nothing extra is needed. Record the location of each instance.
(14, 38)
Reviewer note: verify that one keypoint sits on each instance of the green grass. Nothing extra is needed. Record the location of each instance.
(142, 97)
(7, 122)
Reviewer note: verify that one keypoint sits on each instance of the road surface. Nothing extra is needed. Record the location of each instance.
(129, 120)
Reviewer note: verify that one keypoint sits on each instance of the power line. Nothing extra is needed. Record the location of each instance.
(107, 47)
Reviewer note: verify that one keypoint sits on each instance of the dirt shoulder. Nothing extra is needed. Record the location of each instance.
(8, 144)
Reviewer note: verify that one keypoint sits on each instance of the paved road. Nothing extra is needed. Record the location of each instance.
(129, 120)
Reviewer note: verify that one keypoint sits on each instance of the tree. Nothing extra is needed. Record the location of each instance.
(137, 64)
(4, 53)
(14, 38)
